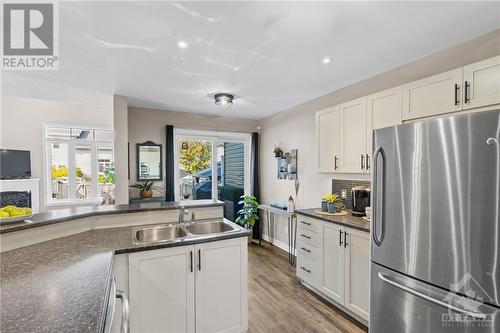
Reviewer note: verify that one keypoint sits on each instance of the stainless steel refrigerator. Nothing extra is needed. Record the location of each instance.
(435, 250)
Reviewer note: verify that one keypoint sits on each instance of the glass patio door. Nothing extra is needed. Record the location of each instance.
(212, 165)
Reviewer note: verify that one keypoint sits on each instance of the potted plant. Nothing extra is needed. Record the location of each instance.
(247, 215)
(145, 188)
(333, 203)
(278, 152)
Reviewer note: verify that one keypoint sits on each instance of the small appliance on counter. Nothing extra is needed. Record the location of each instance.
(360, 199)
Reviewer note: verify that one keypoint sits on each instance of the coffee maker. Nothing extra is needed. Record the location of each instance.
(360, 199)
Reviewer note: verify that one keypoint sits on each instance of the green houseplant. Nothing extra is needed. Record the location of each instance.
(145, 188)
(247, 215)
(333, 202)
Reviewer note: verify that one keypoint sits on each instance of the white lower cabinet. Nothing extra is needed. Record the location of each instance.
(357, 269)
(333, 262)
(197, 288)
(341, 272)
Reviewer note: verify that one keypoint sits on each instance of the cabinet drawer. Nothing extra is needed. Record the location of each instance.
(307, 224)
(308, 236)
(308, 250)
(308, 270)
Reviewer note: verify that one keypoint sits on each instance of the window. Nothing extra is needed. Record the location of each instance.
(79, 163)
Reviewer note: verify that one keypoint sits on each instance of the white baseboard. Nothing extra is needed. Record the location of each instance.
(277, 243)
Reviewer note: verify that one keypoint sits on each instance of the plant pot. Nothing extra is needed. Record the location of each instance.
(331, 207)
(146, 194)
(324, 207)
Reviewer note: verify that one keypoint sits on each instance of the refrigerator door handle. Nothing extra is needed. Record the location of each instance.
(379, 201)
(417, 293)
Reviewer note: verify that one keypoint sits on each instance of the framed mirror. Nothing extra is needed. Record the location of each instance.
(149, 161)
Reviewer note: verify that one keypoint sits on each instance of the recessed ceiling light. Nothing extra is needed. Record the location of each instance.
(223, 99)
(182, 44)
(326, 60)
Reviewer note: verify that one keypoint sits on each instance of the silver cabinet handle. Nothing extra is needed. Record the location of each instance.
(125, 326)
(428, 298)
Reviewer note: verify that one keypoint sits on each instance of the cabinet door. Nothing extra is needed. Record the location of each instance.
(333, 262)
(482, 81)
(357, 279)
(161, 287)
(221, 286)
(433, 95)
(383, 109)
(327, 138)
(353, 136)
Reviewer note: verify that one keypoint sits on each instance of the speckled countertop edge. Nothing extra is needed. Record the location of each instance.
(345, 220)
(69, 214)
(27, 272)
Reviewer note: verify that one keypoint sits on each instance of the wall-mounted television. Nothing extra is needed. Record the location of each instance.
(15, 164)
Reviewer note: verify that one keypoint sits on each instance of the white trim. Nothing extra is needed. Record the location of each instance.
(215, 137)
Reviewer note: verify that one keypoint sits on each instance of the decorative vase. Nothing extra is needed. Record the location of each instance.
(146, 194)
(324, 206)
(331, 207)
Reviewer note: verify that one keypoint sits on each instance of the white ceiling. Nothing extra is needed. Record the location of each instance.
(268, 54)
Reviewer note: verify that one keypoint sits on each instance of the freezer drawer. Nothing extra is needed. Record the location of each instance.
(402, 304)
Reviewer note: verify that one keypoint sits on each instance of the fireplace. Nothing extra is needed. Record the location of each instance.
(15, 198)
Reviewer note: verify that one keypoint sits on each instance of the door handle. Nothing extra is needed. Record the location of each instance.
(340, 237)
(125, 311)
(306, 223)
(199, 259)
(307, 250)
(367, 161)
(305, 236)
(466, 92)
(305, 269)
(378, 201)
(345, 239)
(456, 94)
(335, 163)
(362, 161)
(191, 260)
(417, 293)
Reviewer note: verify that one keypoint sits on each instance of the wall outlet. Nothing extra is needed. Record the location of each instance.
(343, 193)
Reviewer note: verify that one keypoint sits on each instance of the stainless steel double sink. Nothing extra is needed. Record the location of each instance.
(183, 231)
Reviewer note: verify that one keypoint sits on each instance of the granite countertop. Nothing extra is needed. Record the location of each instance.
(62, 285)
(68, 214)
(345, 220)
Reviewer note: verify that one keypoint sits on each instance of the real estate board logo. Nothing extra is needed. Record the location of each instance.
(30, 36)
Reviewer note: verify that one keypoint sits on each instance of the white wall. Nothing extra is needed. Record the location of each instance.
(295, 128)
(120, 123)
(22, 122)
(149, 125)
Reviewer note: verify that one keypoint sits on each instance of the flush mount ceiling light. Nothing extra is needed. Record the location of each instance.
(182, 44)
(223, 99)
(326, 60)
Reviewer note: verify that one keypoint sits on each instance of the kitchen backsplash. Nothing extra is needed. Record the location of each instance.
(347, 184)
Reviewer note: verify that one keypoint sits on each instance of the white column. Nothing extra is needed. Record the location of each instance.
(120, 125)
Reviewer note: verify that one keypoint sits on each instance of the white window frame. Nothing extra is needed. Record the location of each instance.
(215, 137)
(47, 160)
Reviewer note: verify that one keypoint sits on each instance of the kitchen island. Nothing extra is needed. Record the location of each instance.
(63, 284)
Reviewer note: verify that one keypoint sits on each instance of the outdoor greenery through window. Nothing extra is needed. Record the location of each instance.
(80, 165)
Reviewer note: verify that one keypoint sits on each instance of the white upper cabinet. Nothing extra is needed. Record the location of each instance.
(433, 95)
(383, 109)
(327, 138)
(353, 136)
(357, 272)
(161, 286)
(481, 85)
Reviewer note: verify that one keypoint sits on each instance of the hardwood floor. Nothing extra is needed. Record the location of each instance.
(278, 303)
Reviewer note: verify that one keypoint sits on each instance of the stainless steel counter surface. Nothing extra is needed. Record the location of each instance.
(68, 214)
(61, 285)
(345, 220)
